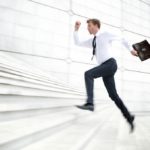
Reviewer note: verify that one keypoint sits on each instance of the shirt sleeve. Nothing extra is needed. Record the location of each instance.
(124, 42)
(86, 43)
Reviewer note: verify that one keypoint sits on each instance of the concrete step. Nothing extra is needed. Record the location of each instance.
(10, 78)
(77, 136)
(22, 90)
(16, 107)
(106, 137)
(19, 67)
(18, 83)
(15, 102)
(18, 133)
(17, 76)
(139, 139)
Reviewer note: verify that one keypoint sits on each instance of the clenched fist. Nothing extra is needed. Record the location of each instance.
(77, 25)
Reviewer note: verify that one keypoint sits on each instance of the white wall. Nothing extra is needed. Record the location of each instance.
(39, 32)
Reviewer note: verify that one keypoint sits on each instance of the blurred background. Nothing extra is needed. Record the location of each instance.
(42, 73)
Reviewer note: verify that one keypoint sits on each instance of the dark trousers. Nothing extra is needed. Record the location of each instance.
(107, 71)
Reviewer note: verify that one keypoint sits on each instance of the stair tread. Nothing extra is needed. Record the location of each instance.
(15, 82)
(15, 129)
(27, 69)
(16, 103)
(73, 137)
(14, 89)
(24, 81)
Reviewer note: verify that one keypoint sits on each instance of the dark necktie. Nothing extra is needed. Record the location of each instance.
(94, 46)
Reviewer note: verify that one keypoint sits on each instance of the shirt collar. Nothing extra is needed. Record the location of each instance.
(98, 33)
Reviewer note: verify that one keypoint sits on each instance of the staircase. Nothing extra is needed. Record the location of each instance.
(37, 112)
(35, 106)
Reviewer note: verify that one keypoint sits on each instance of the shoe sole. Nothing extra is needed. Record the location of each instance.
(84, 108)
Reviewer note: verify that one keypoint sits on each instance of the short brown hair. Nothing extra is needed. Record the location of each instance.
(95, 22)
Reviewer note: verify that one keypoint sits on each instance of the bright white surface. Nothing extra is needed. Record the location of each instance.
(39, 33)
(44, 28)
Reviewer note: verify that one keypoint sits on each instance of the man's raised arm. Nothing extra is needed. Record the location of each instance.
(86, 43)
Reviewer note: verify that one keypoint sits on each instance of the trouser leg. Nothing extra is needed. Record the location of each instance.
(98, 71)
(109, 83)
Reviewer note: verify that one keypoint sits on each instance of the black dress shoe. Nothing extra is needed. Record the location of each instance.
(130, 121)
(86, 107)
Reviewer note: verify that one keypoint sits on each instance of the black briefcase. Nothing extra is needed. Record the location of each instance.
(143, 49)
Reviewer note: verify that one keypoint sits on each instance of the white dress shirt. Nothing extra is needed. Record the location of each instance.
(103, 44)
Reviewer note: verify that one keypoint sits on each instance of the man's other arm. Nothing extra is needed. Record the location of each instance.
(124, 42)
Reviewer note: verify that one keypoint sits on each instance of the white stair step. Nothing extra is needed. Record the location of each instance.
(76, 136)
(15, 107)
(19, 128)
(15, 75)
(20, 114)
(21, 66)
(13, 112)
(28, 69)
(139, 139)
(13, 131)
(106, 138)
(13, 82)
(21, 102)
(6, 77)
(19, 90)
(15, 103)
(100, 121)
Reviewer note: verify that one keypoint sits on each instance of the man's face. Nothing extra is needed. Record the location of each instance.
(91, 27)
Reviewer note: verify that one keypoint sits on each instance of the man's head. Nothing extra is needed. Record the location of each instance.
(93, 25)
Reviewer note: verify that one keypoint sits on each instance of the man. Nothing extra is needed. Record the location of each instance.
(107, 66)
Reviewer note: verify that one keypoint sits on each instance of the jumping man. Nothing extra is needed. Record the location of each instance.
(107, 65)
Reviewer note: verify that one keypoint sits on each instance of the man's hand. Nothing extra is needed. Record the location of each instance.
(77, 25)
(134, 52)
